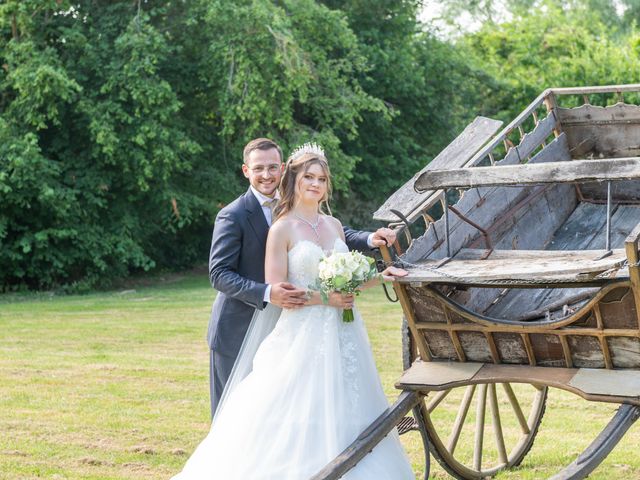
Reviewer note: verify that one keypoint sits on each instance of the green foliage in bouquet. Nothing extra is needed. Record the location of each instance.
(344, 273)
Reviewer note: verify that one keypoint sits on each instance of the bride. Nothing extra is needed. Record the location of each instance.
(305, 384)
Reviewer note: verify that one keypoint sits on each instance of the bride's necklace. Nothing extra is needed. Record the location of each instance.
(314, 226)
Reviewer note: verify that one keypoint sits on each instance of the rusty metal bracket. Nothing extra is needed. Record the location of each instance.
(484, 233)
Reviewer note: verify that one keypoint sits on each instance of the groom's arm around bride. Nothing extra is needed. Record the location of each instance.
(236, 261)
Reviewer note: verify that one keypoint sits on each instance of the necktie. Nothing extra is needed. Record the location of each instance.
(270, 204)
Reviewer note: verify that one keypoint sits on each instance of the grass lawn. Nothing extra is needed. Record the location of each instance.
(115, 386)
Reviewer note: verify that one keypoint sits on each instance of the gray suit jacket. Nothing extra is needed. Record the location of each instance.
(236, 270)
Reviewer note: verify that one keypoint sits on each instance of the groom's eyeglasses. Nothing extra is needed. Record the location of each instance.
(272, 169)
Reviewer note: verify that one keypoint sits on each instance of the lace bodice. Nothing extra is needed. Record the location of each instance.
(304, 259)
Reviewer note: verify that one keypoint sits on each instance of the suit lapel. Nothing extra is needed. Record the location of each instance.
(256, 218)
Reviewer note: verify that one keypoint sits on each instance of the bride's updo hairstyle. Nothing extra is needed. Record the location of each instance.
(300, 160)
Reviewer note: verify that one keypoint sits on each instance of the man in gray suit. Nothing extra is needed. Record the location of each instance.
(236, 261)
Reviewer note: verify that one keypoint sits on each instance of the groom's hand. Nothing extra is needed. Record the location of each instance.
(383, 236)
(286, 295)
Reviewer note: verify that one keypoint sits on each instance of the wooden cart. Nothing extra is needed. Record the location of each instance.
(529, 279)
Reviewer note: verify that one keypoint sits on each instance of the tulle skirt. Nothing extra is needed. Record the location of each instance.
(313, 389)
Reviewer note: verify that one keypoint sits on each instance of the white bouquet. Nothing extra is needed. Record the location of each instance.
(344, 273)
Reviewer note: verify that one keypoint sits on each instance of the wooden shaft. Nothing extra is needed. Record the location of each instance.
(606, 354)
(493, 350)
(529, 348)
(608, 239)
(497, 424)
(455, 340)
(599, 89)
(566, 351)
(551, 105)
(369, 438)
(631, 249)
(603, 169)
(423, 348)
(405, 302)
(437, 398)
(460, 418)
(445, 208)
(515, 405)
(479, 436)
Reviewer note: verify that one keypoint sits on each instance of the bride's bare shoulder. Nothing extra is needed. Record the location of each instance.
(334, 222)
(281, 228)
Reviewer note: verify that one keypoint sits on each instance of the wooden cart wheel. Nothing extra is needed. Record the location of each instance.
(478, 430)
(456, 433)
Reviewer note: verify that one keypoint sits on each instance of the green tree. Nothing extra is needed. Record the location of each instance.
(429, 88)
(552, 47)
(122, 123)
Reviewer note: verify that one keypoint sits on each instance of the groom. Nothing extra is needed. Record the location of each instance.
(236, 261)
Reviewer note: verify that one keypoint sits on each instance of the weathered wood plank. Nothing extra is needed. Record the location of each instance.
(543, 265)
(529, 228)
(625, 352)
(623, 220)
(553, 172)
(586, 351)
(515, 123)
(604, 141)
(532, 140)
(580, 228)
(555, 151)
(439, 373)
(634, 236)
(584, 230)
(621, 191)
(516, 218)
(529, 225)
(624, 383)
(485, 206)
(455, 155)
(631, 87)
(421, 377)
(596, 115)
(631, 248)
(594, 131)
(544, 256)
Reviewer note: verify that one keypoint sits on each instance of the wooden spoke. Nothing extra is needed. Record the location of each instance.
(497, 424)
(437, 398)
(468, 461)
(524, 425)
(460, 418)
(479, 437)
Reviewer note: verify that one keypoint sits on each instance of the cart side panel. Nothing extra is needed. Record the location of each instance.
(602, 334)
(603, 132)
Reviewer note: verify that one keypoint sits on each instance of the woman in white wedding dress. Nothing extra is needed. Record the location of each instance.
(313, 386)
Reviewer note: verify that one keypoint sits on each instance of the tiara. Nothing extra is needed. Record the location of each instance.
(305, 148)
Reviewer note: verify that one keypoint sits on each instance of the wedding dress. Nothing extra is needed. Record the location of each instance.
(312, 390)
